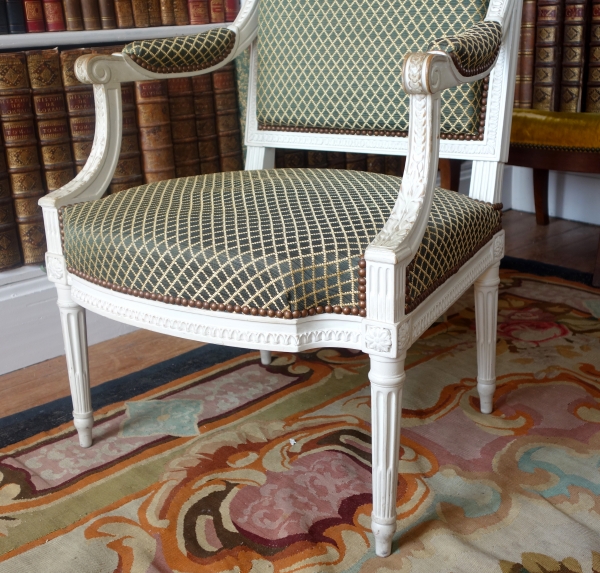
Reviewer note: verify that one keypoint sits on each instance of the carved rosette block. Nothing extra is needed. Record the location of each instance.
(56, 268)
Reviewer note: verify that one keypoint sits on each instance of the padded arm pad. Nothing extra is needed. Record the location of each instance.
(184, 53)
(474, 51)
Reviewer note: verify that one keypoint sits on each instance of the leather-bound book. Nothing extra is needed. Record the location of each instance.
(167, 14)
(154, 17)
(592, 100)
(316, 159)
(51, 117)
(548, 55)
(180, 9)
(336, 160)
(18, 130)
(527, 53)
(80, 107)
(198, 10)
(216, 10)
(228, 118)
(571, 85)
(34, 16)
(16, 16)
(73, 15)
(3, 18)
(394, 165)
(183, 127)
(232, 8)
(154, 122)
(10, 254)
(376, 163)
(124, 14)
(356, 161)
(91, 15)
(290, 158)
(206, 124)
(108, 18)
(53, 13)
(141, 17)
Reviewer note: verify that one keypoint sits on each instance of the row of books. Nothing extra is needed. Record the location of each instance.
(558, 67)
(171, 128)
(21, 16)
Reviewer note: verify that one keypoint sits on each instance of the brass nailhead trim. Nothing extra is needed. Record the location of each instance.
(469, 72)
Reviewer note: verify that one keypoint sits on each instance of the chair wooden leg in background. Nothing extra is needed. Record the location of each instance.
(540, 196)
(387, 380)
(72, 318)
(486, 320)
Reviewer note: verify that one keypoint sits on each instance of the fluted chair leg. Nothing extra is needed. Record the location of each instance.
(387, 380)
(486, 320)
(265, 357)
(72, 317)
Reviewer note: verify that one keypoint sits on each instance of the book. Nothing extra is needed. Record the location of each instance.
(232, 8)
(80, 107)
(18, 130)
(216, 11)
(16, 16)
(198, 10)
(227, 118)
(53, 14)
(376, 163)
(91, 15)
(154, 123)
(34, 16)
(336, 160)
(50, 111)
(316, 159)
(10, 254)
(73, 15)
(592, 99)
(548, 55)
(3, 18)
(124, 14)
(141, 17)
(180, 10)
(154, 18)
(183, 127)
(167, 13)
(573, 55)
(394, 165)
(108, 19)
(206, 125)
(290, 158)
(356, 161)
(527, 53)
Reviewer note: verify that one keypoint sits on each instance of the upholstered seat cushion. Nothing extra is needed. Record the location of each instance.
(280, 240)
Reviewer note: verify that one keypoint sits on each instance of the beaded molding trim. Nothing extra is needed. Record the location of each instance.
(360, 310)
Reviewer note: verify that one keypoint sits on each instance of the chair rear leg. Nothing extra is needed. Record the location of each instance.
(387, 380)
(265, 357)
(72, 317)
(486, 320)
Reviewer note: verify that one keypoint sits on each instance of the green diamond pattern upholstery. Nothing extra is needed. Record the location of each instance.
(284, 239)
(337, 64)
(184, 53)
(475, 50)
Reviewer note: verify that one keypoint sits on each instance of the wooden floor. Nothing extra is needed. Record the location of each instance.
(564, 243)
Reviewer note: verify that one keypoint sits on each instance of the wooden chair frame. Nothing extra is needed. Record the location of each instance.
(387, 331)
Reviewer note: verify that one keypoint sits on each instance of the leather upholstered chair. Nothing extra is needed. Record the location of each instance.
(293, 259)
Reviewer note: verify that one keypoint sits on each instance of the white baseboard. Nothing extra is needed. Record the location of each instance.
(30, 329)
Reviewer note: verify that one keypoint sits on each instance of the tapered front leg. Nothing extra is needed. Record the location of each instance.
(387, 380)
(72, 317)
(486, 321)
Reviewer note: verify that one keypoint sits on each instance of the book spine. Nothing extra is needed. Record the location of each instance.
(124, 14)
(290, 158)
(206, 125)
(518, 73)
(154, 18)
(155, 130)
(4, 29)
(548, 55)
(18, 130)
(316, 159)
(592, 99)
(53, 13)
(34, 16)
(573, 56)
(128, 172)
(16, 16)
(91, 15)
(108, 18)
(167, 13)
(183, 127)
(51, 117)
(228, 121)
(527, 53)
(232, 8)
(356, 161)
(141, 16)
(198, 10)
(180, 9)
(394, 165)
(216, 11)
(336, 160)
(10, 254)
(376, 163)
(73, 15)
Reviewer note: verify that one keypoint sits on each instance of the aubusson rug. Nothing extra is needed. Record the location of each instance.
(234, 467)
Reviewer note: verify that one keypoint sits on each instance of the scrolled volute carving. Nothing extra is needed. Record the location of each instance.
(95, 69)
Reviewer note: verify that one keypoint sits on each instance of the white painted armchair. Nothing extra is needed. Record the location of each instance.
(289, 260)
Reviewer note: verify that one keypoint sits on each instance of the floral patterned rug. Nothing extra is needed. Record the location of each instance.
(239, 468)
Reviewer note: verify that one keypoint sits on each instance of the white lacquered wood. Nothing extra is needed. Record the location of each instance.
(259, 158)
(265, 357)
